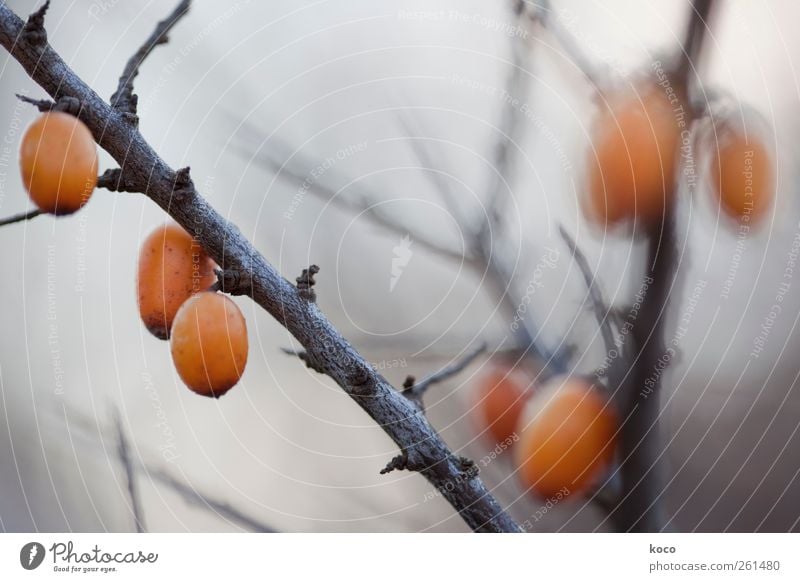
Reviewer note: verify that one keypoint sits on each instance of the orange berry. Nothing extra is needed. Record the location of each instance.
(58, 160)
(172, 267)
(568, 440)
(631, 167)
(502, 396)
(209, 343)
(742, 173)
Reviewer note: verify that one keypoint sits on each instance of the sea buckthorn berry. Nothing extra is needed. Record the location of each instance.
(58, 160)
(742, 173)
(172, 267)
(209, 343)
(567, 438)
(501, 398)
(632, 162)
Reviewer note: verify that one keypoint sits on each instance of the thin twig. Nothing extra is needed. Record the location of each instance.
(416, 390)
(21, 217)
(191, 495)
(642, 483)
(90, 428)
(123, 98)
(515, 93)
(430, 170)
(545, 16)
(127, 464)
(40, 104)
(601, 309)
(175, 193)
(359, 201)
(499, 276)
(113, 180)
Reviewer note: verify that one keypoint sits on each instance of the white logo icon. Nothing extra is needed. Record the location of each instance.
(402, 255)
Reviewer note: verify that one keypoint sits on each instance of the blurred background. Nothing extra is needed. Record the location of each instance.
(271, 102)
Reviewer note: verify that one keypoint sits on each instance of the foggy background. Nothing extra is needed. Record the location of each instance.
(345, 81)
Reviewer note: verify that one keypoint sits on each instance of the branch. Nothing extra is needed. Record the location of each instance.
(127, 464)
(415, 391)
(601, 310)
(642, 483)
(497, 272)
(123, 98)
(508, 128)
(695, 35)
(21, 217)
(175, 193)
(113, 180)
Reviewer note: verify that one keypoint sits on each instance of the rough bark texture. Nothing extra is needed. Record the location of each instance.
(143, 170)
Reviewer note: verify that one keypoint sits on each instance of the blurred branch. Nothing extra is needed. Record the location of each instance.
(640, 442)
(359, 202)
(429, 168)
(175, 192)
(545, 16)
(91, 428)
(194, 497)
(21, 217)
(499, 275)
(640, 508)
(415, 391)
(599, 306)
(127, 464)
(516, 92)
(695, 36)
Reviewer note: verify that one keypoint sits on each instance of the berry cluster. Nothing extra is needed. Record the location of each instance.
(207, 331)
(637, 140)
(563, 432)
